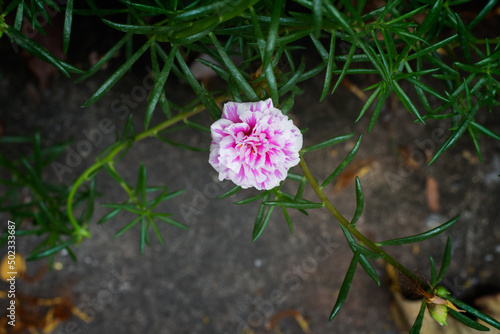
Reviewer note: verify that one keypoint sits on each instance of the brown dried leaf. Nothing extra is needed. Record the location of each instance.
(406, 155)
(432, 193)
(16, 265)
(289, 313)
(36, 315)
(358, 169)
(354, 89)
(471, 158)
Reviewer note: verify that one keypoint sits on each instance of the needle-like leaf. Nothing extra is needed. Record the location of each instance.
(445, 263)
(360, 200)
(422, 236)
(327, 143)
(417, 325)
(343, 164)
(346, 285)
(68, 19)
(113, 79)
(159, 87)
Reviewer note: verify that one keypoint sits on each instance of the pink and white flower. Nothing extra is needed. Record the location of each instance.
(254, 144)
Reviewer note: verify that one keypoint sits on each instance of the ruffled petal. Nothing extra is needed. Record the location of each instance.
(254, 144)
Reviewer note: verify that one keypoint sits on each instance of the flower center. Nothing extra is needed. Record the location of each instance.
(256, 141)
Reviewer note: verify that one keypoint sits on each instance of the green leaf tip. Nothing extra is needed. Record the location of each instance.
(346, 285)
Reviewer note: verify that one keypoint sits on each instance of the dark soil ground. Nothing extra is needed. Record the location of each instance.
(213, 278)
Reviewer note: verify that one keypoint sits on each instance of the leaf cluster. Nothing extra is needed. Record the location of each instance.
(364, 250)
(139, 205)
(270, 199)
(39, 206)
(389, 42)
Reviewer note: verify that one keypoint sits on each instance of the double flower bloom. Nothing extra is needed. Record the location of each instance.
(254, 145)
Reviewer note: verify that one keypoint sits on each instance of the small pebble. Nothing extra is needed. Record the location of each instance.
(492, 177)
(456, 186)
(497, 249)
(257, 263)
(434, 220)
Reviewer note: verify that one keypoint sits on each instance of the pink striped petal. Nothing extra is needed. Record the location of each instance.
(254, 144)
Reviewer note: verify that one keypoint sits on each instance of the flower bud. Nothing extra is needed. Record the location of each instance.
(441, 291)
(438, 312)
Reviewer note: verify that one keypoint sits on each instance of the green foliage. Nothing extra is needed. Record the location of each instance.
(113, 79)
(480, 315)
(444, 264)
(417, 325)
(68, 19)
(159, 85)
(453, 73)
(468, 321)
(360, 202)
(39, 51)
(343, 164)
(327, 143)
(346, 285)
(37, 203)
(363, 254)
(140, 206)
(422, 236)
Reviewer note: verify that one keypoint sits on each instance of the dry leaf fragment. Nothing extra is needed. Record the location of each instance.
(289, 313)
(12, 264)
(359, 169)
(432, 193)
(354, 89)
(33, 314)
(407, 156)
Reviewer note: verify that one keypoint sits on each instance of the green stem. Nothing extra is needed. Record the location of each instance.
(125, 186)
(364, 240)
(85, 176)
